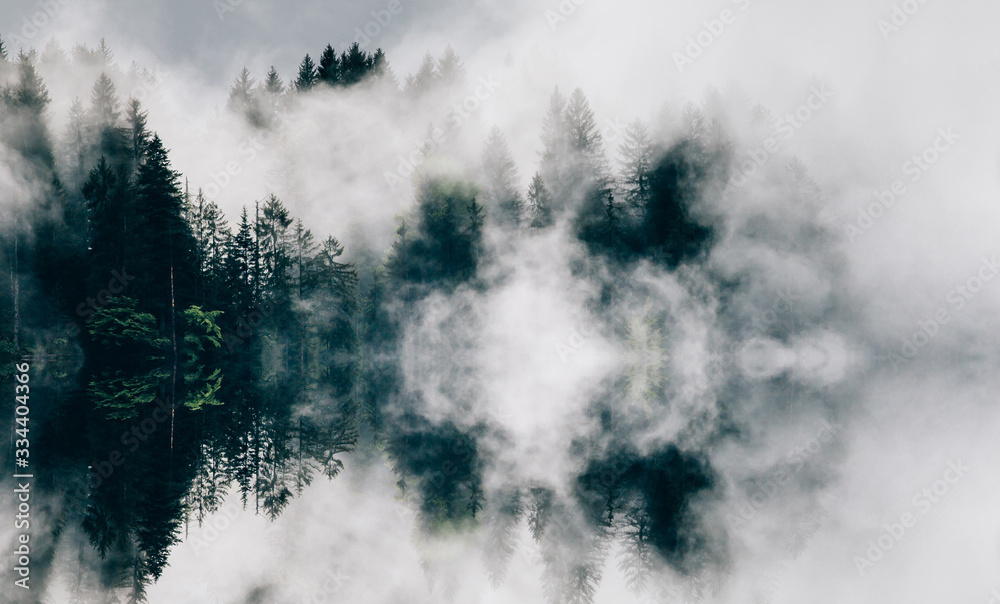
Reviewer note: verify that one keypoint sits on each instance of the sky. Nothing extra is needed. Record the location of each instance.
(880, 99)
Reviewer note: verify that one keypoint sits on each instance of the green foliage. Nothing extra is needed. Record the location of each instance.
(201, 334)
(132, 352)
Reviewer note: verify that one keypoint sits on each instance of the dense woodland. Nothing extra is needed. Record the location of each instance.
(264, 359)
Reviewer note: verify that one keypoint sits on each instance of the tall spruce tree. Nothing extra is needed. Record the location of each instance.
(329, 67)
(165, 265)
(307, 76)
(501, 180)
(539, 204)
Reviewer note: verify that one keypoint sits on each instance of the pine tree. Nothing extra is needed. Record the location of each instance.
(105, 53)
(476, 219)
(554, 150)
(636, 151)
(102, 191)
(450, 71)
(76, 144)
(54, 57)
(382, 71)
(329, 67)
(138, 135)
(86, 58)
(423, 81)
(25, 123)
(104, 105)
(243, 99)
(303, 270)
(165, 266)
(212, 235)
(271, 96)
(635, 559)
(307, 75)
(539, 205)
(501, 180)
(275, 242)
(504, 515)
(355, 65)
(273, 84)
(239, 262)
(584, 140)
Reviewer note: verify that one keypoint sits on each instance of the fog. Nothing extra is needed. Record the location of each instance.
(881, 398)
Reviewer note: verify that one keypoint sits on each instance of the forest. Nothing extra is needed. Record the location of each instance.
(180, 355)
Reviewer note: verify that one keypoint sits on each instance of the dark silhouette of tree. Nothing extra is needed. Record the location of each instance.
(329, 67)
(244, 99)
(355, 65)
(307, 76)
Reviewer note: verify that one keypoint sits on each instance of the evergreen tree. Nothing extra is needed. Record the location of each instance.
(165, 262)
(307, 75)
(76, 144)
(138, 134)
(54, 57)
(636, 152)
(24, 124)
(501, 180)
(105, 53)
(329, 67)
(270, 98)
(423, 81)
(243, 99)
(104, 106)
(554, 151)
(584, 141)
(239, 263)
(106, 205)
(104, 113)
(355, 65)
(382, 72)
(275, 241)
(539, 205)
(442, 247)
(132, 354)
(273, 84)
(450, 71)
(211, 235)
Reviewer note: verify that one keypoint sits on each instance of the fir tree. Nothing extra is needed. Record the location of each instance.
(307, 75)
(329, 67)
(165, 266)
(501, 180)
(554, 150)
(104, 105)
(243, 99)
(539, 205)
(450, 71)
(355, 65)
(423, 81)
(636, 152)
(138, 134)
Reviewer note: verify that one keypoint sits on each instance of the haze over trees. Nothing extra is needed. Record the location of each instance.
(263, 357)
